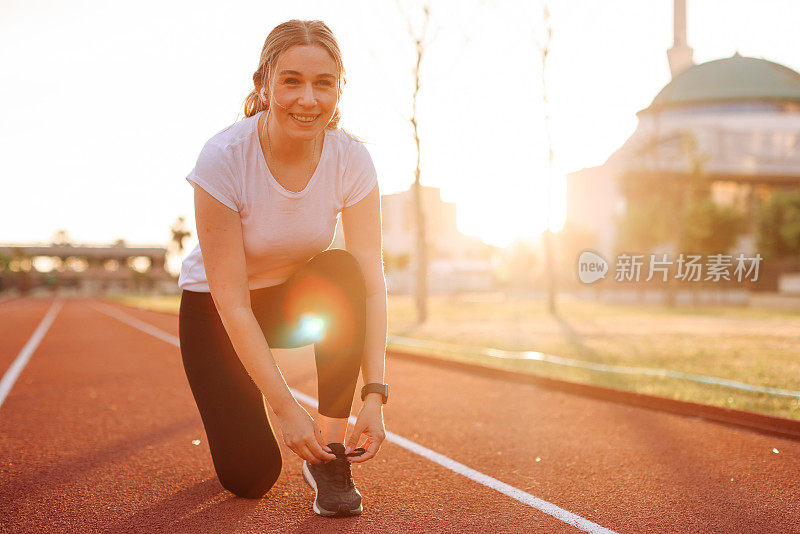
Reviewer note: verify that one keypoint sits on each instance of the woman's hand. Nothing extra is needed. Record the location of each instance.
(302, 434)
(369, 423)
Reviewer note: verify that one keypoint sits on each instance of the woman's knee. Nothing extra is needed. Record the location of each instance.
(253, 486)
(338, 259)
(342, 266)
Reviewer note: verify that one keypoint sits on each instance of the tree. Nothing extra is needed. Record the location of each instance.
(709, 228)
(672, 209)
(179, 233)
(778, 225)
(676, 210)
(570, 241)
(652, 202)
(544, 51)
(421, 290)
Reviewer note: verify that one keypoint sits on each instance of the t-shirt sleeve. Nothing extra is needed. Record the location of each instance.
(359, 175)
(213, 172)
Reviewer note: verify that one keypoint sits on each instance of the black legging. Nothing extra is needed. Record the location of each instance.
(243, 446)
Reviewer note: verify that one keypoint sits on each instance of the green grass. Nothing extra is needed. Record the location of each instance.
(755, 346)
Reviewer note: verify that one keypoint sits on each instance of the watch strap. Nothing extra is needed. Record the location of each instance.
(375, 387)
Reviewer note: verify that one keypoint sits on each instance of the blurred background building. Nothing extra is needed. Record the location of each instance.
(736, 119)
(69, 268)
(457, 262)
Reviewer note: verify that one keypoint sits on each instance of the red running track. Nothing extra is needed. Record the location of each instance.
(97, 431)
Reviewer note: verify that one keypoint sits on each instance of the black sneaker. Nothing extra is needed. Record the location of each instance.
(333, 483)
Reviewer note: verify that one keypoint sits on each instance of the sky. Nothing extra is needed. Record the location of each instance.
(104, 106)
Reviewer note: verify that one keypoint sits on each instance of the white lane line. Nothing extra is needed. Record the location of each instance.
(13, 372)
(137, 323)
(481, 478)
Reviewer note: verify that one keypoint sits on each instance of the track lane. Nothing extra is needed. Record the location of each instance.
(100, 439)
(133, 468)
(627, 468)
(18, 321)
(297, 365)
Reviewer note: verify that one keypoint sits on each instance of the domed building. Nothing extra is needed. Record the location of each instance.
(742, 115)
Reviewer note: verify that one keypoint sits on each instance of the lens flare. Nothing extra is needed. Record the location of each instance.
(311, 329)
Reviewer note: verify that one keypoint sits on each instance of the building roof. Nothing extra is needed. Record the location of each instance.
(733, 79)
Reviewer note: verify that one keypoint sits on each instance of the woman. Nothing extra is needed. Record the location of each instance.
(268, 189)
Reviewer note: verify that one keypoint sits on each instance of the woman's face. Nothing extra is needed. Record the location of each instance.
(303, 74)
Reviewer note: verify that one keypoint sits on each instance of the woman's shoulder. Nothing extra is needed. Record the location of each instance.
(234, 134)
(346, 137)
(348, 144)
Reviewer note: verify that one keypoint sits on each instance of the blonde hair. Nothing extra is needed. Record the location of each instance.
(281, 38)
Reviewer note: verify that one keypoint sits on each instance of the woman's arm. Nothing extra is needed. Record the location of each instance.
(219, 231)
(361, 223)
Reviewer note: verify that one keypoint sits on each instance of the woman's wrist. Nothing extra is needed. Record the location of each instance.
(373, 398)
(284, 405)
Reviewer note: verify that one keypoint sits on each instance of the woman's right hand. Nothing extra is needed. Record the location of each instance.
(302, 434)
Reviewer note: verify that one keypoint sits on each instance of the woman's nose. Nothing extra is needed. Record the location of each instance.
(307, 97)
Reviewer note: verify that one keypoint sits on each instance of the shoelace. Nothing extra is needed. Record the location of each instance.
(354, 453)
(340, 467)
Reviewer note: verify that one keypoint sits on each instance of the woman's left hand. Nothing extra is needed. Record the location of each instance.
(369, 423)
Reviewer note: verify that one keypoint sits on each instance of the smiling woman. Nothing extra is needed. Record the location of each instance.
(268, 193)
(305, 99)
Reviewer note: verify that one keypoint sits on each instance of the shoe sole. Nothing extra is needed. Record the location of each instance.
(319, 509)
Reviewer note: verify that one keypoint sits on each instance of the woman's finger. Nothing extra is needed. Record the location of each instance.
(357, 441)
(372, 446)
(352, 442)
(318, 452)
(303, 452)
(328, 454)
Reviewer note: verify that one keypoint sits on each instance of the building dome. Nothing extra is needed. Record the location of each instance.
(730, 80)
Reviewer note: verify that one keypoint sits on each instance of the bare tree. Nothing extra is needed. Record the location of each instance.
(421, 289)
(544, 50)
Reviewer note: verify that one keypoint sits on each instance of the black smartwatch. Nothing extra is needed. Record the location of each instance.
(374, 387)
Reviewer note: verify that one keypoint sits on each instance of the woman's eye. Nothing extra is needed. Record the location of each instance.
(290, 81)
(326, 83)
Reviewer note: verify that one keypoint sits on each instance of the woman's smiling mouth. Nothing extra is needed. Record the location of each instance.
(304, 119)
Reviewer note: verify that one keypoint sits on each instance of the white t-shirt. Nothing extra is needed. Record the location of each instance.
(281, 229)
